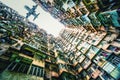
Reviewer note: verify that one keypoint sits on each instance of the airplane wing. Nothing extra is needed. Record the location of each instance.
(27, 7)
(34, 7)
(35, 15)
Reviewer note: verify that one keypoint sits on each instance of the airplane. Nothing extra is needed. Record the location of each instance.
(31, 11)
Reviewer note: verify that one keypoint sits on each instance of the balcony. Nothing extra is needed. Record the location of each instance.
(108, 4)
(114, 49)
(92, 52)
(101, 58)
(86, 63)
(114, 59)
(37, 71)
(19, 64)
(67, 76)
(115, 73)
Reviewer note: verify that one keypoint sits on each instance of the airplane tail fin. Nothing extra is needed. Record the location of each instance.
(36, 16)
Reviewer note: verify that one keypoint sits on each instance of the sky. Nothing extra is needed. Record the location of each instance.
(44, 20)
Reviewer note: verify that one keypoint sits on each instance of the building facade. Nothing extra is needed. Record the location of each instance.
(87, 49)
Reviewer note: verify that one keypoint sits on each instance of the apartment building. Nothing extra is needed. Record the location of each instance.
(88, 48)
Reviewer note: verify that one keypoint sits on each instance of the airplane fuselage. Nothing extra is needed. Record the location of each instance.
(31, 11)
